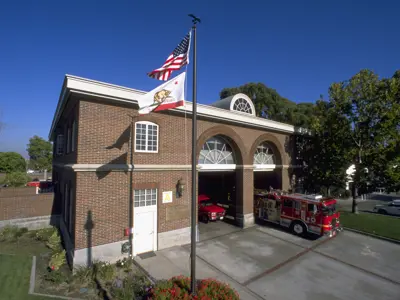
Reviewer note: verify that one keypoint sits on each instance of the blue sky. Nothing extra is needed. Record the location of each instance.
(297, 47)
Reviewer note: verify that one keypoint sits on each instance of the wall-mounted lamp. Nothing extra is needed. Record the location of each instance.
(180, 187)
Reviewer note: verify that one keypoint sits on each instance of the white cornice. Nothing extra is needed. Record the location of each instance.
(146, 168)
(74, 84)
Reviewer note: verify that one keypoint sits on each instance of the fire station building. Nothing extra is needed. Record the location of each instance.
(116, 172)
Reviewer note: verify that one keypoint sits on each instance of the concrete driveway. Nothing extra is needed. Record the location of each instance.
(267, 263)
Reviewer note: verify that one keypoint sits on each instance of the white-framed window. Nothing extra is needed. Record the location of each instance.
(243, 106)
(73, 140)
(68, 140)
(264, 155)
(146, 137)
(216, 151)
(145, 197)
(60, 144)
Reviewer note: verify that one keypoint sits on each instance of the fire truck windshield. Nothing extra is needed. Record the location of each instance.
(329, 210)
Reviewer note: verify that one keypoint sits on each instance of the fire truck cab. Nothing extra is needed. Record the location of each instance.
(301, 213)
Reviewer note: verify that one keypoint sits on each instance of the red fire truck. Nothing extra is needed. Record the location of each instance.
(301, 213)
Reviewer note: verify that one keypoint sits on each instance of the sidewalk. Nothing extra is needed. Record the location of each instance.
(175, 261)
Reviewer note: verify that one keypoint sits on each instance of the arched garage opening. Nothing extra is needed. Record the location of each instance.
(217, 176)
(267, 167)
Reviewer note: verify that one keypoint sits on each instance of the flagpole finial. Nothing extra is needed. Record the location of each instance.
(195, 19)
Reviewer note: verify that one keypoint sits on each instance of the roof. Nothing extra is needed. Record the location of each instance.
(216, 111)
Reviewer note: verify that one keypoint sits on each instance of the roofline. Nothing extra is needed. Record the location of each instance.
(84, 86)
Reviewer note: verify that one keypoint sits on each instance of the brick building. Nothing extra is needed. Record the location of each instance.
(115, 169)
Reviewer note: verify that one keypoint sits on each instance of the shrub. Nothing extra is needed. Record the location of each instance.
(11, 233)
(84, 274)
(44, 234)
(56, 277)
(54, 241)
(104, 271)
(57, 260)
(179, 288)
(16, 179)
(129, 288)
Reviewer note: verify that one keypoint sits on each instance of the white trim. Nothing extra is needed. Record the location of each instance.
(118, 93)
(147, 123)
(214, 167)
(259, 168)
(140, 168)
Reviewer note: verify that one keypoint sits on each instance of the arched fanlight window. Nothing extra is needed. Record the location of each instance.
(264, 155)
(242, 105)
(216, 151)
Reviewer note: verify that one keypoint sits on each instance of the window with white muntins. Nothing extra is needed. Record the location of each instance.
(146, 137)
(264, 155)
(145, 197)
(242, 105)
(60, 144)
(216, 151)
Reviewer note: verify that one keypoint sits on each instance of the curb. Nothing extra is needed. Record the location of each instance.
(373, 235)
(32, 284)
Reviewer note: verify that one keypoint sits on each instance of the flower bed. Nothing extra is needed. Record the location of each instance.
(179, 288)
(54, 277)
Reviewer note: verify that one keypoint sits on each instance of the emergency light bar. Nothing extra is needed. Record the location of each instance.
(313, 197)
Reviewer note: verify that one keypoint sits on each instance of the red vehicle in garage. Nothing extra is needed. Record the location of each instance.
(301, 213)
(208, 210)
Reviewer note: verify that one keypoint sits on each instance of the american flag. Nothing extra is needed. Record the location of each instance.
(178, 58)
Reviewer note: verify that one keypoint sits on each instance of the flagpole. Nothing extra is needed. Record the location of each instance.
(195, 20)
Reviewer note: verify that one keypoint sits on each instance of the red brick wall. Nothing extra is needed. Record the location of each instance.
(27, 206)
(106, 196)
(104, 138)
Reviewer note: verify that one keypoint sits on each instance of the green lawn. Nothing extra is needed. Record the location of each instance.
(15, 272)
(377, 224)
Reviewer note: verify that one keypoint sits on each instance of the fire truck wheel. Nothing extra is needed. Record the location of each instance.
(298, 228)
(205, 219)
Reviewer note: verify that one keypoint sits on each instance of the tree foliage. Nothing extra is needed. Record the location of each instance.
(269, 104)
(16, 179)
(40, 153)
(12, 162)
(359, 124)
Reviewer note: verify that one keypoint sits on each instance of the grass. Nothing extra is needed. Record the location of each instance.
(15, 271)
(385, 226)
(17, 246)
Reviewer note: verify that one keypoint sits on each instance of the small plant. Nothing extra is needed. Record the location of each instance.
(45, 233)
(84, 274)
(104, 271)
(57, 260)
(11, 233)
(56, 277)
(125, 263)
(179, 288)
(54, 241)
(129, 288)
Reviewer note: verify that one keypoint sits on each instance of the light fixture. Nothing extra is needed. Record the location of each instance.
(180, 187)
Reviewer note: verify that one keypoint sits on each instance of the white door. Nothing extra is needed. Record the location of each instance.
(145, 221)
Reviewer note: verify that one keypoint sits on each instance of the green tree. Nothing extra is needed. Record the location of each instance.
(325, 156)
(12, 162)
(40, 153)
(16, 179)
(269, 104)
(364, 101)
